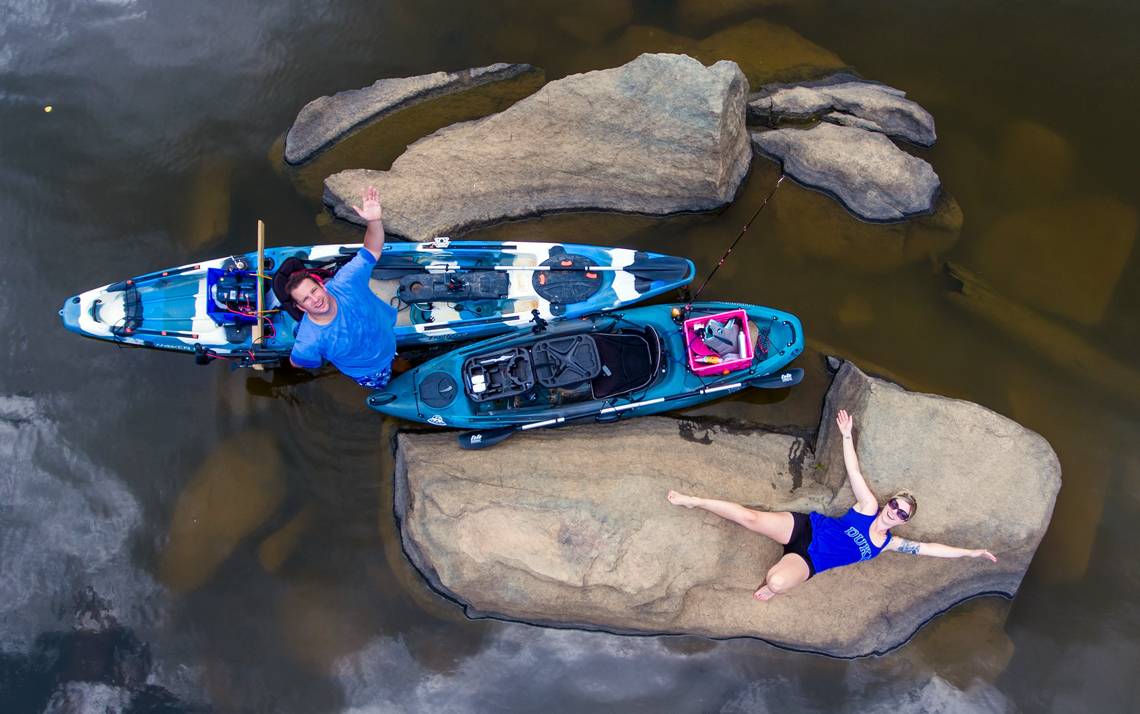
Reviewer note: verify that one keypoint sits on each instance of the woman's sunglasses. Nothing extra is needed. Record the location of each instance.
(902, 515)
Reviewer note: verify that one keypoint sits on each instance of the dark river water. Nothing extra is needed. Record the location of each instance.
(239, 526)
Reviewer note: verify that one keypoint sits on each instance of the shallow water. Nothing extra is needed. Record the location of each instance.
(283, 587)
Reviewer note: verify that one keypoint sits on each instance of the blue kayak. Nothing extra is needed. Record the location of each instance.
(443, 291)
(640, 361)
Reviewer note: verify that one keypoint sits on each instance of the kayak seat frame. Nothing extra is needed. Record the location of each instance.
(565, 361)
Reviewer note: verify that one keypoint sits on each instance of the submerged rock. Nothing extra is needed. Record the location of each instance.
(808, 223)
(699, 13)
(1052, 341)
(326, 119)
(661, 134)
(237, 489)
(571, 527)
(847, 100)
(765, 51)
(864, 170)
(1074, 278)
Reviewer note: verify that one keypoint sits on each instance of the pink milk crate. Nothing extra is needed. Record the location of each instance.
(696, 347)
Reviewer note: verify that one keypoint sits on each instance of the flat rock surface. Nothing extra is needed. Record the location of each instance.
(571, 527)
(864, 170)
(661, 134)
(326, 119)
(847, 100)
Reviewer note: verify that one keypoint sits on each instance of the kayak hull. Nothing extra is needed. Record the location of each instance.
(181, 309)
(417, 394)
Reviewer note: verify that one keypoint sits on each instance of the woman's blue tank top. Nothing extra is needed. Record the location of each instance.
(842, 541)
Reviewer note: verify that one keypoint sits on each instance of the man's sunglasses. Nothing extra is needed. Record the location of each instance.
(902, 515)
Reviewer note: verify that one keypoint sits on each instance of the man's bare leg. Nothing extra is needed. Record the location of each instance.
(777, 525)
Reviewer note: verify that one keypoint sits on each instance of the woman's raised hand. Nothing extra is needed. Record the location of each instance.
(844, 421)
(983, 554)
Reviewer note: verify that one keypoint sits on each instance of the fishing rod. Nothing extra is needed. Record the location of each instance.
(689, 304)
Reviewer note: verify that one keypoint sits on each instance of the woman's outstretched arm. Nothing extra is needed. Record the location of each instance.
(866, 503)
(935, 550)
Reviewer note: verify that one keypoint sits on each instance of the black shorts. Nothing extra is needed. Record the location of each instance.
(801, 539)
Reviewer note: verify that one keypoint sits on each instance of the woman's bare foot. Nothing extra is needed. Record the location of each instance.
(764, 594)
(680, 499)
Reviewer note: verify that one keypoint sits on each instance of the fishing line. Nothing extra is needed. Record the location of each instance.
(689, 304)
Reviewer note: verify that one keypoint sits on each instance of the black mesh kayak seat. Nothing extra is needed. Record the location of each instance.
(565, 361)
(567, 281)
(454, 287)
(630, 361)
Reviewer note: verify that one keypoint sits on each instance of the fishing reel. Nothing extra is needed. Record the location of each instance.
(680, 314)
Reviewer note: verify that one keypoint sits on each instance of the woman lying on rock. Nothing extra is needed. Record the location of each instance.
(814, 542)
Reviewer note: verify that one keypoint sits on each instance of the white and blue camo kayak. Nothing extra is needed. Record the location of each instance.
(443, 290)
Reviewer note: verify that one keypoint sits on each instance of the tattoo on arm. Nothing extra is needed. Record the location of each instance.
(907, 546)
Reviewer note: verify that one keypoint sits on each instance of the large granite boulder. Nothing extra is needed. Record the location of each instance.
(871, 176)
(571, 527)
(326, 119)
(850, 101)
(661, 134)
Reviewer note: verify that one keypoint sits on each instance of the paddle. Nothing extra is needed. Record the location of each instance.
(394, 270)
(489, 437)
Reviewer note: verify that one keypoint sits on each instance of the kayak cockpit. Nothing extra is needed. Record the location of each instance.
(561, 369)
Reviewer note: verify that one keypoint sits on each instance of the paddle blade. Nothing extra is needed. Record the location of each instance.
(392, 267)
(778, 380)
(487, 437)
(666, 268)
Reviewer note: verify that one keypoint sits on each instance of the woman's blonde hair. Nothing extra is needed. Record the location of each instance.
(909, 498)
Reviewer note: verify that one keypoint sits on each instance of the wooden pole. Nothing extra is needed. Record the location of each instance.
(255, 332)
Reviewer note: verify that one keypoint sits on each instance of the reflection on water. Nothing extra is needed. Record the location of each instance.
(263, 502)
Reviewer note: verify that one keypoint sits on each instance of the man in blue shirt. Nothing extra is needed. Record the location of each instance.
(345, 322)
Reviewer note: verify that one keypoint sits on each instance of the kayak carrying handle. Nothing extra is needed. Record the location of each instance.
(379, 399)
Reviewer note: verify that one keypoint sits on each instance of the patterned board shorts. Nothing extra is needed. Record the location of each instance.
(377, 380)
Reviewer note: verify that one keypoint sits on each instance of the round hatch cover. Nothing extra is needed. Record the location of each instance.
(438, 390)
